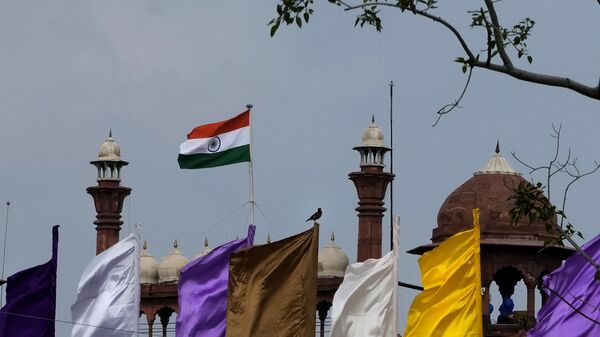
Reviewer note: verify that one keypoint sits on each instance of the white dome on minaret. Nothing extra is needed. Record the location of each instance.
(373, 136)
(169, 267)
(332, 260)
(372, 150)
(109, 150)
(109, 161)
(148, 267)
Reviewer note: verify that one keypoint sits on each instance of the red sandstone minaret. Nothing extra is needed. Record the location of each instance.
(371, 183)
(109, 194)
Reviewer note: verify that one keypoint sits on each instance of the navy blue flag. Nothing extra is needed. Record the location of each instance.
(30, 307)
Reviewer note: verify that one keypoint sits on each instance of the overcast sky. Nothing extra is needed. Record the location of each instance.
(153, 70)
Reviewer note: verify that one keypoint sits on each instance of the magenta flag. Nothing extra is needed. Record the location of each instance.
(203, 291)
(573, 306)
(30, 307)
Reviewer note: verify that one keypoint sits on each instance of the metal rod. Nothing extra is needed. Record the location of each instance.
(391, 166)
(409, 286)
(250, 171)
(4, 251)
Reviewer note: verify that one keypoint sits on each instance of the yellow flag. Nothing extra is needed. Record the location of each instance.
(450, 305)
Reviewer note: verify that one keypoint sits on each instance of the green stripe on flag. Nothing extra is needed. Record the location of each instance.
(205, 160)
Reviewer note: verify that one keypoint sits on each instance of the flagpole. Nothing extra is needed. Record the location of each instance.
(396, 248)
(391, 167)
(4, 251)
(250, 171)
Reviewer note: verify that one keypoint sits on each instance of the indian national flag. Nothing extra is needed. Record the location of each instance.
(217, 144)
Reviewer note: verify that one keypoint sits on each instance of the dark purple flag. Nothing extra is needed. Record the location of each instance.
(31, 299)
(203, 291)
(573, 307)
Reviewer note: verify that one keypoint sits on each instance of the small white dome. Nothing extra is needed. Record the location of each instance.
(373, 136)
(169, 267)
(148, 267)
(497, 165)
(332, 260)
(109, 150)
(204, 250)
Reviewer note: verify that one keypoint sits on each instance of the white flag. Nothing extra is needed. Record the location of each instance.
(108, 295)
(365, 303)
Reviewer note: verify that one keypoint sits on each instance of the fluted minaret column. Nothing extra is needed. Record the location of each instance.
(371, 184)
(108, 195)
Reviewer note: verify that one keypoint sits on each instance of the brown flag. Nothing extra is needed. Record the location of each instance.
(273, 288)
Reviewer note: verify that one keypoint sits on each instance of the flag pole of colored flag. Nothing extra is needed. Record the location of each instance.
(573, 306)
(202, 291)
(217, 144)
(30, 307)
(273, 288)
(108, 295)
(450, 305)
(365, 303)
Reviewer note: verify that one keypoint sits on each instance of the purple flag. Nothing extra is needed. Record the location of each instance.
(203, 291)
(573, 307)
(31, 299)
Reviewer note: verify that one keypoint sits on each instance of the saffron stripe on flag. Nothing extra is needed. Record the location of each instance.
(213, 129)
(226, 141)
(234, 155)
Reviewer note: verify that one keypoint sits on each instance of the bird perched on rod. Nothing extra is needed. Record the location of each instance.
(315, 216)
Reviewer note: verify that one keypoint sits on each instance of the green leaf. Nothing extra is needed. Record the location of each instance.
(306, 17)
(530, 59)
(464, 69)
(299, 22)
(274, 28)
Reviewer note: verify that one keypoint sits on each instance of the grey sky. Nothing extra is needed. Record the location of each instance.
(152, 70)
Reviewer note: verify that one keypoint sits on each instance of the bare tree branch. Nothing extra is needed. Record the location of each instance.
(449, 107)
(507, 67)
(438, 19)
(488, 31)
(576, 175)
(498, 34)
(567, 302)
(550, 80)
(575, 178)
(531, 168)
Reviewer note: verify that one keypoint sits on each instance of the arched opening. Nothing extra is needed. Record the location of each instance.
(167, 318)
(323, 328)
(147, 324)
(508, 297)
(541, 295)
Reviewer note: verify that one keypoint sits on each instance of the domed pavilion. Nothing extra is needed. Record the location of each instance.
(509, 252)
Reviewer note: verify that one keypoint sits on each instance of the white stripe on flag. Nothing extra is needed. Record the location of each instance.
(228, 140)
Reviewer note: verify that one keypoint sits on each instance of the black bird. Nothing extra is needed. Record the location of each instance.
(315, 216)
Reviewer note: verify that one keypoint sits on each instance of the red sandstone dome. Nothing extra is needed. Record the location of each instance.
(488, 190)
